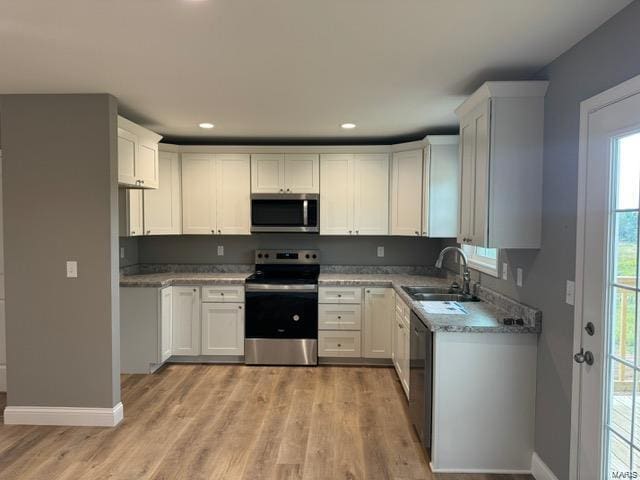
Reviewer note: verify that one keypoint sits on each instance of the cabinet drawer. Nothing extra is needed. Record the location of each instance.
(339, 317)
(337, 343)
(223, 293)
(340, 295)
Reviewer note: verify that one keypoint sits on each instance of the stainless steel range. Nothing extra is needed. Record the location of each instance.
(281, 317)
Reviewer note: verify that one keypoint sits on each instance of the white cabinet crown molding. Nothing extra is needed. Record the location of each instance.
(534, 88)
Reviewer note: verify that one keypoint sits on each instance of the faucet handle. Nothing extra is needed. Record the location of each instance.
(455, 286)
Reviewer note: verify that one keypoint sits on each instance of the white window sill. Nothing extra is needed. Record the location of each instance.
(484, 268)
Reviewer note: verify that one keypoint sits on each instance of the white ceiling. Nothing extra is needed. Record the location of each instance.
(285, 68)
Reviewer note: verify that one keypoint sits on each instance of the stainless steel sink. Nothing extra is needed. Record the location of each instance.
(435, 294)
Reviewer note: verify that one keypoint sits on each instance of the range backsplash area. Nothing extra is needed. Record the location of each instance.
(238, 249)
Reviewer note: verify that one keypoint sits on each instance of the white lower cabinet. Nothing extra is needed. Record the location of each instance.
(166, 323)
(186, 321)
(338, 343)
(222, 329)
(146, 316)
(401, 342)
(378, 312)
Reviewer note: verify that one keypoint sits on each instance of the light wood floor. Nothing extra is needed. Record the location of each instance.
(235, 422)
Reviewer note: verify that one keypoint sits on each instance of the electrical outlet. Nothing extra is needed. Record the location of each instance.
(121, 252)
(505, 271)
(220, 250)
(571, 292)
(381, 251)
(72, 269)
(519, 276)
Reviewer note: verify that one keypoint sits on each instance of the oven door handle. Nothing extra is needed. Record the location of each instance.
(260, 287)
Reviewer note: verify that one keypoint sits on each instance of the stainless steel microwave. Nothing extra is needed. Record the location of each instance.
(273, 212)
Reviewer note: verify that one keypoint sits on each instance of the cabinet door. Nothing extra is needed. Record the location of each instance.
(233, 194)
(301, 173)
(474, 165)
(198, 194)
(406, 193)
(336, 194)
(131, 211)
(406, 346)
(186, 321)
(127, 157)
(162, 206)
(147, 164)
(222, 329)
(398, 341)
(378, 315)
(267, 173)
(371, 194)
(441, 190)
(166, 314)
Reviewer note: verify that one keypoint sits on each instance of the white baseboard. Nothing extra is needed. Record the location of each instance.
(3, 378)
(539, 469)
(495, 471)
(65, 416)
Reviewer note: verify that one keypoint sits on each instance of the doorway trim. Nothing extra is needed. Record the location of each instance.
(613, 95)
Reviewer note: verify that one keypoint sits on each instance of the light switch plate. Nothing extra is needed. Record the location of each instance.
(519, 276)
(121, 252)
(505, 271)
(72, 269)
(220, 250)
(381, 251)
(571, 292)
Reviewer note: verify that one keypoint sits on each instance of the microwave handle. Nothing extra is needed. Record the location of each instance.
(305, 212)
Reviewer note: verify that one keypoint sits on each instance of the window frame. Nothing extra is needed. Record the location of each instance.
(481, 263)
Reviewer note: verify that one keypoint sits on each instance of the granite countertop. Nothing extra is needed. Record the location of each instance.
(482, 317)
(181, 278)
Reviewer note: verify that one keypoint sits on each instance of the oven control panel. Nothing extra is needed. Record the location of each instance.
(287, 257)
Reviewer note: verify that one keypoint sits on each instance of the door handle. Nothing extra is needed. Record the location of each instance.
(584, 357)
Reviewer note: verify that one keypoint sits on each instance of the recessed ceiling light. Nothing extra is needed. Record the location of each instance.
(206, 125)
(348, 126)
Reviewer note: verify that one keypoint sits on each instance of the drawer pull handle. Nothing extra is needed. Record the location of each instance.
(339, 317)
(339, 345)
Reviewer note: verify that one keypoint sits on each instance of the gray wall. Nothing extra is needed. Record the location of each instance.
(605, 58)
(335, 250)
(130, 246)
(60, 203)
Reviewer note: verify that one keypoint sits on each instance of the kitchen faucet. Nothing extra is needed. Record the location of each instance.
(466, 276)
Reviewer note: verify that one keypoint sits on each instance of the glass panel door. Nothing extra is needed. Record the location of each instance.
(622, 405)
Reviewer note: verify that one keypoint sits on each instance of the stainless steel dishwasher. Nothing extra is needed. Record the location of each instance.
(421, 379)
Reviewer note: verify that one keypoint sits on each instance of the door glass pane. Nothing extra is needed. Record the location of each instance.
(623, 356)
(626, 248)
(619, 456)
(624, 324)
(628, 172)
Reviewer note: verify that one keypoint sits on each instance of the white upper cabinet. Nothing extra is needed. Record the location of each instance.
(198, 194)
(336, 194)
(131, 212)
(137, 155)
(354, 194)
(406, 193)
(285, 173)
(215, 194)
(301, 173)
(267, 173)
(441, 187)
(371, 194)
(233, 201)
(163, 206)
(501, 142)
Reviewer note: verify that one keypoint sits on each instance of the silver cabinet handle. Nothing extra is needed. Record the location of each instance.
(213, 231)
(281, 190)
(239, 307)
(288, 189)
(339, 345)
(219, 231)
(339, 317)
